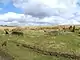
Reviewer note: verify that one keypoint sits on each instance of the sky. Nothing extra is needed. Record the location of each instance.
(39, 12)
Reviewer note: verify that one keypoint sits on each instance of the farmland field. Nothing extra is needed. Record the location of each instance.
(37, 45)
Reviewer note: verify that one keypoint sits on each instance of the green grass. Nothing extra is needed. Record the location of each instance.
(69, 43)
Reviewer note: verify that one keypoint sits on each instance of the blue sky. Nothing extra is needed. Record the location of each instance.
(39, 12)
(9, 8)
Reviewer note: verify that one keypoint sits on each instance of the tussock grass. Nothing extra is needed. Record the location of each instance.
(65, 42)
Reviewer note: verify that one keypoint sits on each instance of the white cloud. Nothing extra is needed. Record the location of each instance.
(12, 18)
(42, 12)
(11, 15)
(42, 8)
(48, 3)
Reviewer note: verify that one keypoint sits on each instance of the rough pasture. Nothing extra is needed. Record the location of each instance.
(36, 45)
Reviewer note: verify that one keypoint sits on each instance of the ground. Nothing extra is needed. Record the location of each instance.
(64, 42)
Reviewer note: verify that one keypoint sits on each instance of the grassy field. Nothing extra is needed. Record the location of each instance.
(64, 42)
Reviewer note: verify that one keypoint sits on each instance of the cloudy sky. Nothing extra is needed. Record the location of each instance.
(39, 12)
